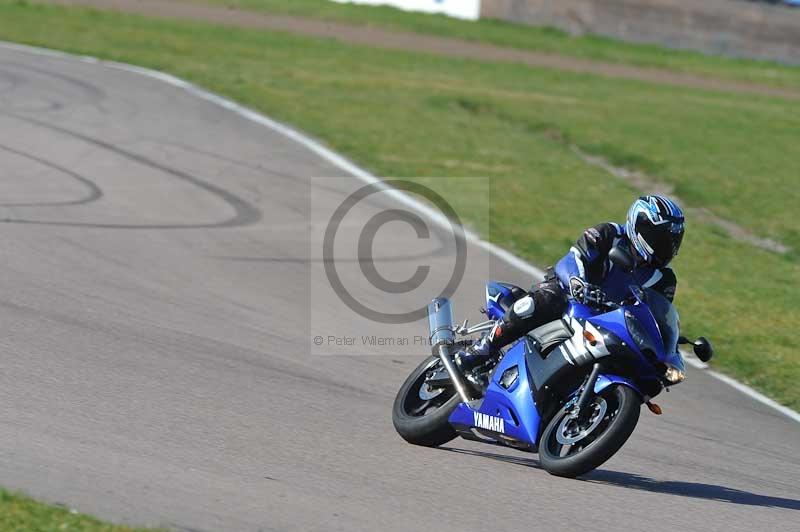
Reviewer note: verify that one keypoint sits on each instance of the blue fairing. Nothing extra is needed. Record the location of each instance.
(643, 334)
(514, 406)
(614, 322)
(576, 310)
(604, 381)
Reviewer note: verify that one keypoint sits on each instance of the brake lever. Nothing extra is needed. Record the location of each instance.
(601, 301)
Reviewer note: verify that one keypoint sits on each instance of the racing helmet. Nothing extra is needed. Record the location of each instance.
(655, 228)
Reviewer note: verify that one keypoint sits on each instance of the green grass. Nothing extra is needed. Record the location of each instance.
(540, 39)
(413, 115)
(22, 514)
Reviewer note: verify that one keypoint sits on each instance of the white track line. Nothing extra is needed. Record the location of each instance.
(351, 168)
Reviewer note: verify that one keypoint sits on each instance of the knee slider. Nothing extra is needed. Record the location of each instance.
(523, 308)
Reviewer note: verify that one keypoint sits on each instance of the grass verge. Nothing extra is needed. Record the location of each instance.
(412, 115)
(22, 514)
(541, 39)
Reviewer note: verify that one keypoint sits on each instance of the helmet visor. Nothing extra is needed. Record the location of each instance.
(664, 240)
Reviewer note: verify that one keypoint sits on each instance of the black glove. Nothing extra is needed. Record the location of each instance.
(584, 292)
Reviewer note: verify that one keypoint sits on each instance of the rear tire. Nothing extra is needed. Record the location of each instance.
(623, 407)
(431, 427)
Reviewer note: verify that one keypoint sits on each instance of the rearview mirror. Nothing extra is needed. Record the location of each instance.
(703, 349)
(621, 258)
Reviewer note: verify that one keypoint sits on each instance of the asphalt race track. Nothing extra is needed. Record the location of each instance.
(160, 287)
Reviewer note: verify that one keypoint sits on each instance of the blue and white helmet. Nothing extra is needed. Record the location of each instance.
(655, 227)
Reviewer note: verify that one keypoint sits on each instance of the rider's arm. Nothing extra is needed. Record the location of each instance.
(665, 282)
(586, 260)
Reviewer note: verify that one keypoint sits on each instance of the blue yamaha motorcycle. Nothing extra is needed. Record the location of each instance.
(570, 390)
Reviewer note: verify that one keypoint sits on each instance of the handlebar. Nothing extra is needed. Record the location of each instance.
(594, 296)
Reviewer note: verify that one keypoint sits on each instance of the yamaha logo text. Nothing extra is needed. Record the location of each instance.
(493, 423)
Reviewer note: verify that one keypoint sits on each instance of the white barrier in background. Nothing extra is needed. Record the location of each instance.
(467, 9)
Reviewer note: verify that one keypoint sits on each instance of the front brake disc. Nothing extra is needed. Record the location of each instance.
(571, 430)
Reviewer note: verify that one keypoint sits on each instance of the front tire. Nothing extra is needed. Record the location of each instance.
(420, 414)
(569, 448)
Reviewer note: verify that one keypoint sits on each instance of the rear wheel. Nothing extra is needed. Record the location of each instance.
(571, 446)
(420, 412)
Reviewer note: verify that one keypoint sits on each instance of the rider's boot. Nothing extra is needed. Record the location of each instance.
(519, 319)
(478, 353)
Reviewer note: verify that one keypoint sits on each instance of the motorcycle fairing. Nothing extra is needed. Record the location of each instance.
(515, 405)
(606, 380)
(544, 384)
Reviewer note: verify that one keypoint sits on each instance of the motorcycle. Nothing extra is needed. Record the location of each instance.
(571, 390)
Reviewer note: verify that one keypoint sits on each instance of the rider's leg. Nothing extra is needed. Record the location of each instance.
(545, 303)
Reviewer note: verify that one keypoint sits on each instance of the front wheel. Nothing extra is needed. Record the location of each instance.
(420, 412)
(570, 446)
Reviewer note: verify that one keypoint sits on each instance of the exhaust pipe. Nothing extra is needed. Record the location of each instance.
(443, 338)
(440, 322)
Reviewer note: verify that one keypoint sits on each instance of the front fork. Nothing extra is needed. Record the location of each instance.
(587, 394)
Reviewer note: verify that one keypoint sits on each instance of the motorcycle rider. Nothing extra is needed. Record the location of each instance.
(652, 234)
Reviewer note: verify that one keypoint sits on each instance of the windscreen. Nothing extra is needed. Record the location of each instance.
(666, 317)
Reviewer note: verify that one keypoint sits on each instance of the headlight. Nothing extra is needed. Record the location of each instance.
(674, 375)
(637, 332)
